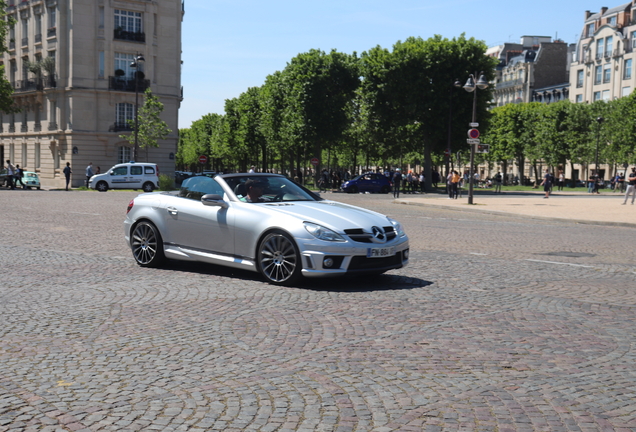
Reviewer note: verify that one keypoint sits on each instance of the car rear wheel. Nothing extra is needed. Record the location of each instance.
(148, 187)
(102, 186)
(278, 259)
(385, 190)
(353, 189)
(147, 245)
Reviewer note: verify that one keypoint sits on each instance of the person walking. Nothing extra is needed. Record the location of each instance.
(561, 181)
(547, 183)
(397, 183)
(455, 184)
(19, 173)
(89, 172)
(631, 186)
(10, 173)
(498, 179)
(67, 173)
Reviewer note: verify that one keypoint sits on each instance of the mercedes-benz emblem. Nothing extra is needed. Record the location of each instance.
(378, 234)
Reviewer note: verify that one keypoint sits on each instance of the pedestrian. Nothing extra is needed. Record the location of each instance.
(89, 172)
(67, 173)
(98, 171)
(19, 173)
(631, 186)
(397, 183)
(591, 183)
(10, 173)
(423, 182)
(547, 183)
(251, 169)
(498, 179)
(561, 182)
(455, 178)
(434, 178)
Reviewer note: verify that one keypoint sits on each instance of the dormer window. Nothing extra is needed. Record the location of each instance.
(590, 29)
(612, 21)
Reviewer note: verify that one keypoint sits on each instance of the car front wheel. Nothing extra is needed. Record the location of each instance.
(102, 186)
(147, 245)
(278, 259)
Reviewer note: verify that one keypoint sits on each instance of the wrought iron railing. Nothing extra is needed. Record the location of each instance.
(129, 35)
(127, 84)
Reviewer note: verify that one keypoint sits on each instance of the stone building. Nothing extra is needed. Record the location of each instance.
(69, 62)
(535, 63)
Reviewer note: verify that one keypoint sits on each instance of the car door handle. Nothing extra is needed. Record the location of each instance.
(172, 210)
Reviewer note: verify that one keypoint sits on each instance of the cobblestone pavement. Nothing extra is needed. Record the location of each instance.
(497, 324)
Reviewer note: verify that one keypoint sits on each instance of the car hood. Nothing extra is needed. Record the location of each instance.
(331, 214)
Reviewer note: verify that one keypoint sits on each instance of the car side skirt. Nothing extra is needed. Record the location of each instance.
(188, 254)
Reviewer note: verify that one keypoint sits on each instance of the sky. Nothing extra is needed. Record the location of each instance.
(231, 45)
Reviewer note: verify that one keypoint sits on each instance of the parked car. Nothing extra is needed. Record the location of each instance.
(180, 176)
(369, 182)
(3, 177)
(294, 233)
(31, 180)
(130, 175)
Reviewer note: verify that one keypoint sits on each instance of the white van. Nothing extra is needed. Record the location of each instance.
(131, 175)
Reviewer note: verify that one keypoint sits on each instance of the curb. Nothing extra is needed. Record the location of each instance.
(516, 215)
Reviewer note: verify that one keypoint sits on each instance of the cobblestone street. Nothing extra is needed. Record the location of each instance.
(497, 324)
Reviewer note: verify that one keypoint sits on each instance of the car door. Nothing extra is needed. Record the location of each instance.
(118, 177)
(135, 179)
(191, 224)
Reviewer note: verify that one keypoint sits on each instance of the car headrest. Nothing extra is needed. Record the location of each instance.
(240, 190)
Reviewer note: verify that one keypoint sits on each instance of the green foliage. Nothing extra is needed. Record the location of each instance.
(166, 183)
(151, 128)
(6, 89)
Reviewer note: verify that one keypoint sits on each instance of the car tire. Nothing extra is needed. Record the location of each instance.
(278, 259)
(385, 190)
(148, 187)
(38, 187)
(353, 189)
(147, 245)
(102, 186)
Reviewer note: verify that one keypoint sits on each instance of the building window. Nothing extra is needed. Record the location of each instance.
(52, 115)
(25, 32)
(101, 17)
(612, 21)
(52, 22)
(609, 42)
(590, 30)
(579, 98)
(38, 28)
(626, 91)
(607, 73)
(124, 112)
(122, 62)
(627, 69)
(128, 21)
(37, 155)
(124, 154)
(101, 64)
(600, 48)
(597, 96)
(579, 79)
(597, 74)
(606, 95)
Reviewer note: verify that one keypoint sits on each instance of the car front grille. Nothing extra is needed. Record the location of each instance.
(364, 263)
(361, 236)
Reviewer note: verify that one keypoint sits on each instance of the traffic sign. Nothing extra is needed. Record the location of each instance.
(473, 133)
(315, 161)
(447, 152)
(472, 141)
(473, 125)
(203, 159)
(482, 148)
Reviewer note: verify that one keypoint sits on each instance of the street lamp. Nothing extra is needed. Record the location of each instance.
(471, 86)
(135, 65)
(449, 150)
(599, 120)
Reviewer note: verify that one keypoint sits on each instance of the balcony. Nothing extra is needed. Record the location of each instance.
(120, 127)
(12, 44)
(38, 38)
(36, 84)
(127, 85)
(25, 42)
(51, 32)
(508, 84)
(129, 36)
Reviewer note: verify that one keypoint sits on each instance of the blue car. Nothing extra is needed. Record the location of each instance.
(369, 182)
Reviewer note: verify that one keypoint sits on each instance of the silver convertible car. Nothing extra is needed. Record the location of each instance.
(264, 223)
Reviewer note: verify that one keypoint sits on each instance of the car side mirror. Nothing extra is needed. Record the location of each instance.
(214, 200)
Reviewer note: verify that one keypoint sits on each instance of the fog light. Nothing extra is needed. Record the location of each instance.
(327, 263)
(405, 254)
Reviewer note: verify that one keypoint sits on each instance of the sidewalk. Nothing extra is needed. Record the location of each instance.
(603, 209)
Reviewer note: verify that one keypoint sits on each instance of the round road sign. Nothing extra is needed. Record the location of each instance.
(315, 161)
(473, 133)
(203, 159)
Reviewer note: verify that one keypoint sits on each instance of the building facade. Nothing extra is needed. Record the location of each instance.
(70, 63)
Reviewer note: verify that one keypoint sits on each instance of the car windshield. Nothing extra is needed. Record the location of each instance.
(33, 175)
(273, 188)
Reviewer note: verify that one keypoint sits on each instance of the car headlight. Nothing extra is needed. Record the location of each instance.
(397, 227)
(322, 233)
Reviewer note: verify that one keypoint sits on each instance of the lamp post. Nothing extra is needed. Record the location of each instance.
(471, 86)
(599, 120)
(449, 150)
(135, 65)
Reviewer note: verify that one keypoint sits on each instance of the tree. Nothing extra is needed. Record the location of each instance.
(6, 89)
(150, 127)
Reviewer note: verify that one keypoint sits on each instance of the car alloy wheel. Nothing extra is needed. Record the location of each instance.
(102, 186)
(148, 187)
(146, 245)
(278, 259)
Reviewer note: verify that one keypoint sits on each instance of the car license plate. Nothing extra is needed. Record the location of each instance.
(380, 252)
